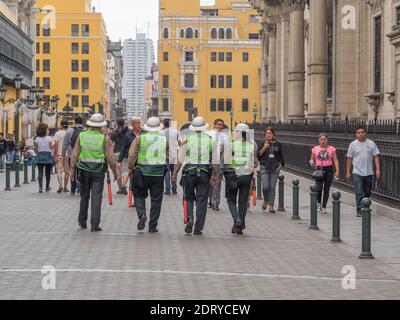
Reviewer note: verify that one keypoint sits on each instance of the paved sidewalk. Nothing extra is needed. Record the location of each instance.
(276, 259)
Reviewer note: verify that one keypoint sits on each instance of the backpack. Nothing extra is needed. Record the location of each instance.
(75, 135)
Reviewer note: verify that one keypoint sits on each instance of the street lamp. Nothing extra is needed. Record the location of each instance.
(255, 111)
(231, 115)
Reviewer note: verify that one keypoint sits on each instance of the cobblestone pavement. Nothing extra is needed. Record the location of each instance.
(276, 258)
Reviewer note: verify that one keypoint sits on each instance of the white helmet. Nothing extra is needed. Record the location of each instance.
(199, 124)
(97, 121)
(242, 127)
(153, 124)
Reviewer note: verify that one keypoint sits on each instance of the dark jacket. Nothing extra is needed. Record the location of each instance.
(271, 163)
(3, 146)
(118, 138)
(126, 144)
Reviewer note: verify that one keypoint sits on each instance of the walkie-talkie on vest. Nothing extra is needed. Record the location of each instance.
(110, 198)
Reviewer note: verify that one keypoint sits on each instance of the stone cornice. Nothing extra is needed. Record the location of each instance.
(295, 5)
(376, 5)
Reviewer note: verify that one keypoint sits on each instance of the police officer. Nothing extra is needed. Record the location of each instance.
(91, 155)
(147, 164)
(197, 153)
(239, 176)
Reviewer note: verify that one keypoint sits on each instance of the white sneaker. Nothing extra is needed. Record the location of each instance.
(324, 211)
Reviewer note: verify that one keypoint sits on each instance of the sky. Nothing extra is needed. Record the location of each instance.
(124, 16)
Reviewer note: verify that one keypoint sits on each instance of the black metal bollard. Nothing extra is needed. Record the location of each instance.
(17, 169)
(281, 188)
(33, 172)
(296, 189)
(26, 171)
(259, 186)
(8, 180)
(366, 229)
(336, 217)
(314, 207)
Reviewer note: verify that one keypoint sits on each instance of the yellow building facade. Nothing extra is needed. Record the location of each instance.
(71, 54)
(209, 55)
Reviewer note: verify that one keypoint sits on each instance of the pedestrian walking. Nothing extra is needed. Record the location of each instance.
(239, 175)
(122, 165)
(147, 165)
(362, 155)
(62, 162)
(326, 164)
(198, 153)
(270, 155)
(91, 157)
(70, 138)
(3, 151)
(44, 161)
(10, 148)
(221, 140)
(172, 138)
(117, 138)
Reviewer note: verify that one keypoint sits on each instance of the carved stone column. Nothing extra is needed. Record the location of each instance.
(319, 60)
(296, 60)
(395, 41)
(264, 74)
(271, 27)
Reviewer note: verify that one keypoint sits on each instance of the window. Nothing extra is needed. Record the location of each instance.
(221, 105)
(85, 48)
(46, 65)
(189, 80)
(254, 36)
(75, 101)
(189, 56)
(229, 82)
(75, 30)
(209, 12)
(37, 30)
(75, 48)
(213, 105)
(165, 81)
(229, 33)
(165, 104)
(85, 83)
(196, 34)
(85, 30)
(398, 15)
(245, 105)
(213, 82)
(245, 82)
(74, 83)
(37, 82)
(37, 47)
(165, 56)
(85, 100)
(377, 53)
(189, 33)
(165, 33)
(245, 57)
(221, 56)
(85, 65)
(253, 19)
(188, 103)
(228, 105)
(46, 83)
(221, 33)
(229, 56)
(75, 66)
(46, 47)
(182, 33)
(221, 82)
(46, 30)
(214, 33)
(37, 65)
(213, 56)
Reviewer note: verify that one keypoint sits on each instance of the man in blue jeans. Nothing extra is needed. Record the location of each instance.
(361, 155)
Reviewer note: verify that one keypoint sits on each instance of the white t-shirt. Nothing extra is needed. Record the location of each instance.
(43, 143)
(222, 142)
(59, 137)
(363, 154)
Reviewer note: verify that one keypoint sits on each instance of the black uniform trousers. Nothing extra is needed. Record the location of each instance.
(154, 185)
(196, 190)
(92, 185)
(238, 207)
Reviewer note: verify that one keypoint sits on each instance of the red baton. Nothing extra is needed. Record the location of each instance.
(110, 199)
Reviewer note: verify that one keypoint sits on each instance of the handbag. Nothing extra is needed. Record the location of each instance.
(319, 173)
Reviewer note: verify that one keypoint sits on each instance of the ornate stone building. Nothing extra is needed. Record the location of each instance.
(330, 59)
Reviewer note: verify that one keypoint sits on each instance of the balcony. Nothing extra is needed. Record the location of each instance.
(16, 53)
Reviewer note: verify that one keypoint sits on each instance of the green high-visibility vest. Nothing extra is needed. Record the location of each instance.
(198, 154)
(242, 157)
(152, 156)
(92, 156)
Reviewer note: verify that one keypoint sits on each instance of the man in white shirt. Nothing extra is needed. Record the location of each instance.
(222, 142)
(172, 138)
(62, 163)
